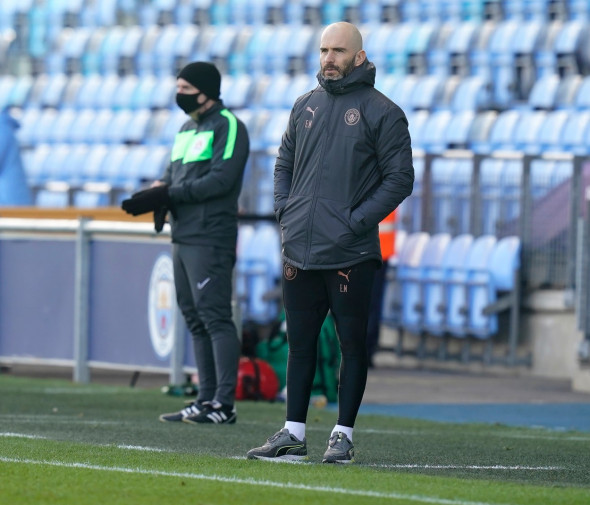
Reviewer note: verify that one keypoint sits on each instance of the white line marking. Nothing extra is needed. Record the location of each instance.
(251, 482)
(141, 448)
(468, 467)
(21, 435)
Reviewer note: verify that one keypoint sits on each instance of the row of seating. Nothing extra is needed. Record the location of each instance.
(530, 131)
(454, 47)
(443, 285)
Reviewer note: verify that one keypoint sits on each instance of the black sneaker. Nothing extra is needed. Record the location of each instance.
(282, 446)
(213, 413)
(193, 409)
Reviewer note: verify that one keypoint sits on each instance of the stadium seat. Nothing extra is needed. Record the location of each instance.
(526, 131)
(544, 92)
(434, 131)
(436, 283)
(408, 259)
(260, 271)
(573, 137)
(459, 282)
(412, 279)
(550, 133)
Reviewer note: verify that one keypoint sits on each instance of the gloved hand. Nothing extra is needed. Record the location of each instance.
(160, 218)
(147, 200)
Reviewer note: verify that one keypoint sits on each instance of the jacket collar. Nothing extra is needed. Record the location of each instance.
(363, 75)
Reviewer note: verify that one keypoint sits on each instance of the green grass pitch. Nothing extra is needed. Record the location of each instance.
(63, 443)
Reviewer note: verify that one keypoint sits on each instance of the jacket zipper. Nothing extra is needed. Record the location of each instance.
(314, 197)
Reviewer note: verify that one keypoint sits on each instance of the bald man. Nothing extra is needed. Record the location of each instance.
(344, 164)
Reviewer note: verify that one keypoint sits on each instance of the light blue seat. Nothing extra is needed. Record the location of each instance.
(408, 260)
(428, 92)
(500, 275)
(544, 92)
(526, 131)
(436, 283)
(459, 282)
(110, 50)
(410, 210)
(582, 100)
(472, 94)
(572, 134)
(260, 270)
(236, 91)
(502, 132)
(112, 166)
(62, 125)
(480, 131)
(81, 127)
(412, 280)
(457, 134)
(550, 133)
(434, 131)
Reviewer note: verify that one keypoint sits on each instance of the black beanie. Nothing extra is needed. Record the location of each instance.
(204, 76)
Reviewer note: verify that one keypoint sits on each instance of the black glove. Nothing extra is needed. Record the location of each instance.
(160, 218)
(147, 200)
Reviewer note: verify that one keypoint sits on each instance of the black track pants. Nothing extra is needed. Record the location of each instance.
(308, 295)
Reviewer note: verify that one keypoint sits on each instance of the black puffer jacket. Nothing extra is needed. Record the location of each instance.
(344, 164)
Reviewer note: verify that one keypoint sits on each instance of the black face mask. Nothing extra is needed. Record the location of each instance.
(188, 103)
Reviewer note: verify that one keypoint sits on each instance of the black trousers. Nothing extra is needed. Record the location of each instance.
(307, 296)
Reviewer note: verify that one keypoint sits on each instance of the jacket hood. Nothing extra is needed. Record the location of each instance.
(363, 75)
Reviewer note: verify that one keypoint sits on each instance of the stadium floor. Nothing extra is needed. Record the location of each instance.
(516, 399)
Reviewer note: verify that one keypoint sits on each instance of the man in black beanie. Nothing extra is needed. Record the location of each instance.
(200, 187)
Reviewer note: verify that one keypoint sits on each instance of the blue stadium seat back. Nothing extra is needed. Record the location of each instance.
(76, 162)
(480, 131)
(437, 286)
(427, 93)
(163, 51)
(424, 254)
(459, 43)
(274, 129)
(504, 262)
(136, 130)
(154, 165)
(401, 92)
(116, 134)
(434, 130)
(472, 94)
(110, 50)
(550, 132)
(132, 167)
(303, 44)
(256, 49)
(567, 91)
(274, 95)
(502, 62)
(108, 90)
(502, 131)
(418, 44)
(396, 47)
(582, 99)
(237, 91)
(53, 93)
(112, 166)
(299, 85)
(410, 210)
(142, 96)
(544, 92)
(438, 56)
(457, 134)
(416, 122)
(245, 235)
(28, 123)
(60, 131)
(91, 169)
(572, 134)
(263, 272)
(526, 132)
(89, 92)
(34, 159)
(375, 39)
(158, 120)
(20, 91)
(175, 121)
(222, 45)
(491, 193)
(392, 302)
(430, 273)
(55, 166)
(460, 285)
(45, 125)
(443, 194)
(123, 95)
(98, 132)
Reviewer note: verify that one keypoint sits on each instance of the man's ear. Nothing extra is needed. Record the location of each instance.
(360, 57)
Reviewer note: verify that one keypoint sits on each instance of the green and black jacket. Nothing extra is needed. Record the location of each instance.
(205, 178)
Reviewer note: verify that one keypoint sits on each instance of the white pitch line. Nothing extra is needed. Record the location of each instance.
(21, 435)
(467, 467)
(251, 482)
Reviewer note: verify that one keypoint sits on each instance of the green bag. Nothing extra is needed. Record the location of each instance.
(275, 351)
